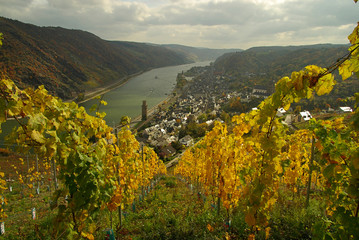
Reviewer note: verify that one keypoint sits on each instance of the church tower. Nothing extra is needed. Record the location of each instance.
(144, 110)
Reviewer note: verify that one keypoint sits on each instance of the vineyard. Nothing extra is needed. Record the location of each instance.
(94, 169)
(74, 177)
(248, 165)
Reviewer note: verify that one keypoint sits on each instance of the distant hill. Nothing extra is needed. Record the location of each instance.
(147, 55)
(264, 66)
(68, 62)
(199, 54)
(279, 61)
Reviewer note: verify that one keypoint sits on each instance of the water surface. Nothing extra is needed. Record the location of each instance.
(153, 86)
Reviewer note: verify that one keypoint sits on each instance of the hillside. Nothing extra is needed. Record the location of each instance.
(279, 60)
(147, 55)
(264, 66)
(68, 62)
(199, 54)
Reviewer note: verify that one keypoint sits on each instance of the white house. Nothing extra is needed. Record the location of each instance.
(281, 112)
(346, 109)
(306, 116)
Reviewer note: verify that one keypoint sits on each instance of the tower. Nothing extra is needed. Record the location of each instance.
(144, 110)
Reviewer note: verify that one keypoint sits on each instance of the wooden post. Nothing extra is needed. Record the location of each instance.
(219, 190)
(54, 172)
(37, 171)
(310, 173)
(33, 213)
(119, 180)
(28, 167)
(143, 165)
(111, 220)
(218, 205)
(2, 228)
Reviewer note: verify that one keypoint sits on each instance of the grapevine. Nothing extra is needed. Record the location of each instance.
(246, 168)
(84, 151)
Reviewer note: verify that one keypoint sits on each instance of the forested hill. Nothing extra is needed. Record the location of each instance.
(199, 54)
(280, 60)
(68, 62)
(276, 62)
(262, 67)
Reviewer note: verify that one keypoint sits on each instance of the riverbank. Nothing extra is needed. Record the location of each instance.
(137, 122)
(99, 91)
(155, 86)
(119, 83)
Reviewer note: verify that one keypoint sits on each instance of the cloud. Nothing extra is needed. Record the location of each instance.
(205, 23)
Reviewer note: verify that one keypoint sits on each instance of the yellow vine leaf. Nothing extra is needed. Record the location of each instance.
(267, 232)
(251, 237)
(87, 235)
(344, 69)
(325, 85)
(354, 36)
(92, 227)
(8, 83)
(250, 219)
(83, 215)
(209, 227)
(356, 163)
(227, 237)
(297, 79)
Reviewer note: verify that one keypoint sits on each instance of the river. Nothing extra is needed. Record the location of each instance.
(153, 86)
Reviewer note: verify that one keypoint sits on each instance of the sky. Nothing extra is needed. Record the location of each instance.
(198, 23)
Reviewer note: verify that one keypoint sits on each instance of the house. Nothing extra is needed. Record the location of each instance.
(218, 120)
(163, 141)
(281, 112)
(146, 134)
(304, 116)
(346, 109)
(288, 119)
(260, 90)
(186, 140)
(209, 122)
(168, 151)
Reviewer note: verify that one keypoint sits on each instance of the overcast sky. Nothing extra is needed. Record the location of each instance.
(199, 23)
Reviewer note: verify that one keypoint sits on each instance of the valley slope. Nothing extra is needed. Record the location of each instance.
(199, 54)
(68, 62)
(262, 67)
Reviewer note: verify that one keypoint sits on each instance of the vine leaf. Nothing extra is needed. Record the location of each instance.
(250, 219)
(37, 137)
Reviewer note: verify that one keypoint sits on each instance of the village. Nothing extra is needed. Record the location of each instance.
(201, 95)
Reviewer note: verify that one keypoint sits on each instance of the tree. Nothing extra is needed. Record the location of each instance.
(125, 120)
(225, 117)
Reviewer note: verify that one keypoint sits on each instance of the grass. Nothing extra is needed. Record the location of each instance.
(172, 210)
(20, 223)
